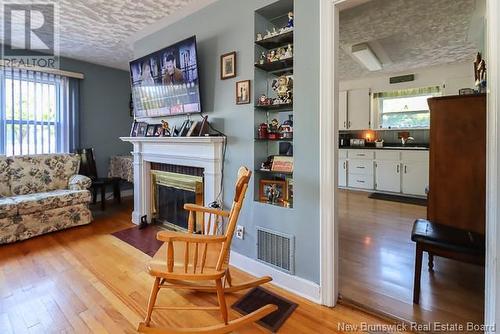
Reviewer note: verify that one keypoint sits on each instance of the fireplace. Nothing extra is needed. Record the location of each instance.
(171, 188)
(204, 155)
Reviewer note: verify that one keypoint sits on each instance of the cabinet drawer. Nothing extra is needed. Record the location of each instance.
(360, 181)
(342, 154)
(361, 154)
(361, 167)
(388, 155)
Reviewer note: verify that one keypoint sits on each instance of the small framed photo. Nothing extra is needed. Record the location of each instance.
(272, 191)
(228, 65)
(141, 129)
(243, 92)
(150, 131)
(158, 130)
(133, 130)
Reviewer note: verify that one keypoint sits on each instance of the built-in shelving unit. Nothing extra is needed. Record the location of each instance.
(274, 16)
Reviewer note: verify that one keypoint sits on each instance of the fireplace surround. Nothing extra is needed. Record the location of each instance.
(198, 152)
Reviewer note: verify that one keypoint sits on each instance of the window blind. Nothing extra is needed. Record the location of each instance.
(38, 112)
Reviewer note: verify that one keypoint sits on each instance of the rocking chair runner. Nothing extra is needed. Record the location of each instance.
(193, 260)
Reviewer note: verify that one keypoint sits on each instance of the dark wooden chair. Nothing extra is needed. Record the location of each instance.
(445, 241)
(88, 168)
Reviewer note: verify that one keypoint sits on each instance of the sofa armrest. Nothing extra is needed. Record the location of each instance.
(79, 182)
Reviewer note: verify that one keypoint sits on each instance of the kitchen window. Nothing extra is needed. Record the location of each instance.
(405, 109)
(37, 112)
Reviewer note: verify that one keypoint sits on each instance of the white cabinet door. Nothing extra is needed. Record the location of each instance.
(343, 110)
(343, 173)
(358, 109)
(415, 178)
(388, 176)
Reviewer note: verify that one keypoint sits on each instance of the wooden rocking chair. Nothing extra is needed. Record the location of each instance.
(208, 264)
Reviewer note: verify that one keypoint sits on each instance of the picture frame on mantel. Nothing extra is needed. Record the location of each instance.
(228, 65)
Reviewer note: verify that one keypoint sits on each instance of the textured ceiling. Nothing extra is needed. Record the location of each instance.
(98, 31)
(408, 34)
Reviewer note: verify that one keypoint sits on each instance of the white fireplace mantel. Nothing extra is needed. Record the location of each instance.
(202, 152)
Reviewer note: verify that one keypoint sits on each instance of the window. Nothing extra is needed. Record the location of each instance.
(405, 108)
(36, 113)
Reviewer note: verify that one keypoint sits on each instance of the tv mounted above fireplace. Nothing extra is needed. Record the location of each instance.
(166, 82)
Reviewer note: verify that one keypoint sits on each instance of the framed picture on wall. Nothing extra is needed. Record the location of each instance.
(228, 65)
(272, 191)
(243, 92)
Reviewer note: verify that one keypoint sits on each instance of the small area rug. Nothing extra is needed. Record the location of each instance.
(258, 297)
(399, 199)
(144, 240)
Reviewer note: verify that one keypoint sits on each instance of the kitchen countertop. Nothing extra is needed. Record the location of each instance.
(412, 147)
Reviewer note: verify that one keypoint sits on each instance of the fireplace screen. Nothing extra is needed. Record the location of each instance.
(170, 191)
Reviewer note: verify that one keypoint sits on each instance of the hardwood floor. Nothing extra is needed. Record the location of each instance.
(377, 261)
(83, 280)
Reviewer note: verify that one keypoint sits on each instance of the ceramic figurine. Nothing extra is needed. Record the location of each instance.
(263, 58)
(271, 56)
(274, 125)
(263, 100)
(259, 37)
(290, 20)
(268, 34)
(289, 51)
(283, 87)
(274, 33)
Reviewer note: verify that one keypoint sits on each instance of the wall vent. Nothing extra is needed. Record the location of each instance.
(276, 249)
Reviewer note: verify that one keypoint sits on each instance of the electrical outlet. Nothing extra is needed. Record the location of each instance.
(240, 231)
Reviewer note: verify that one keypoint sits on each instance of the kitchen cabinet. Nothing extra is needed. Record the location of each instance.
(343, 172)
(388, 176)
(358, 109)
(354, 109)
(395, 171)
(415, 173)
(343, 110)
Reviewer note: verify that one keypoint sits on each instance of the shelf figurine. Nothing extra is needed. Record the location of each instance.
(262, 59)
(283, 87)
(268, 34)
(259, 37)
(289, 51)
(290, 20)
(274, 33)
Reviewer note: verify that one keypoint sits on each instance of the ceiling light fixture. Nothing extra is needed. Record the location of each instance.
(366, 56)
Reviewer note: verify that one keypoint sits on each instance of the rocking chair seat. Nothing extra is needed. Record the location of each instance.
(159, 269)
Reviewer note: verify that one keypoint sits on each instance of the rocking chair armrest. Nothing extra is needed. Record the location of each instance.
(199, 208)
(170, 236)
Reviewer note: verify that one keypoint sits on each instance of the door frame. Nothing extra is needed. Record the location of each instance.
(329, 222)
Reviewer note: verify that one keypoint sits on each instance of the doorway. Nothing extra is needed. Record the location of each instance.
(358, 199)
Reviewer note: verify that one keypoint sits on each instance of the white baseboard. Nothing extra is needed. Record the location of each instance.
(291, 283)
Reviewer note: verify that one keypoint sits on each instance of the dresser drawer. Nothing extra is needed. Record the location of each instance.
(360, 181)
(361, 154)
(360, 167)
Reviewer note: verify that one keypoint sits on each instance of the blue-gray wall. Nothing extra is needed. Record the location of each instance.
(104, 110)
(228, 25)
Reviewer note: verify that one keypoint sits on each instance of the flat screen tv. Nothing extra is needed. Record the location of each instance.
(166, 82)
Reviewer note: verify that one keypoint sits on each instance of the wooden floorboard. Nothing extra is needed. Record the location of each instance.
(84, 280)
(377, 261)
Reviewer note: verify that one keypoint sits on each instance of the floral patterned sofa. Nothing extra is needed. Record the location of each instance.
(41, 194)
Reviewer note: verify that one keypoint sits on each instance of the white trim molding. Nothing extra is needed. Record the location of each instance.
(328, 157)
(492, 270)
(290, 283)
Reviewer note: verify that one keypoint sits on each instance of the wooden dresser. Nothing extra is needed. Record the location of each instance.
(457, 166)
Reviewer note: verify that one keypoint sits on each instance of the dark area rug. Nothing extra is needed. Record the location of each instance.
(258, 297)
(399, 199)
(144, 240)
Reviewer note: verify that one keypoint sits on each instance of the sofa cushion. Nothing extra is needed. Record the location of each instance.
(32, 203)
(4, 177)
(8, 208)
(42, 173)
